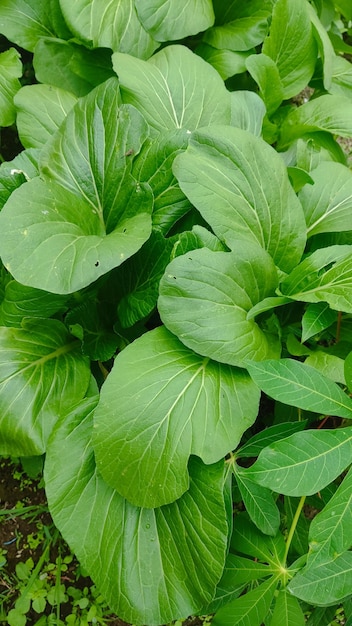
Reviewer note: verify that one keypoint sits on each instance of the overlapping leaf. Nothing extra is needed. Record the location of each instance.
(303, 463)
(40, 111)
(325, 275)
(204, 300)
(174, 89)
(146, 563)
(87, 214)
(250, 609)
(316, 318)
(114, 25)
(259, 504)
(247, 181)
(20, 302)
(327, 583)
(167, 21)
(26, 21)
(10, 72)
(16, 172)
(327, 204)
(42, 374)
(297, 384)
(241, 27)
(182, 404)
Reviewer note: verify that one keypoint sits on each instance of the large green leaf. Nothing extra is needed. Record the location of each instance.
(269, 435)
(291, 45)
(167, 21)
(266, 74)
(26, 21)
(174, 89)
(248, 540)
(247, 111)
(317, 318)
(146, 563)
(42, 374)
(328, 582)
(303, 463)
(330, 532)
(114, 25)
(247, 182)
(341, 83)
(250, 609)
(328, 112)
(325, 275)
(10, 72)
(161, 403)
(89, 213)
(325, 47)
(204, 300)
(245, 26)
(327, 204)
(70, 66)
(40, 111)
(226, 62)
(297, 384)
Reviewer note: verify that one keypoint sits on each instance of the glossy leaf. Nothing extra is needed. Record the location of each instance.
(42, 374)
(114, 25)
(303, 463)
(88, 214)
(182, 404)
(317, 318)
(27, 21)
(330, 532)
(327, 204)
(221, 287)
(174, 89)
(148, 562)
(167, 21)
(297, 384)
(269, 435)
(250, 609)
(325, 275)
(259, 504)
(40, 111)
(248, 183)
(328, 582)
(10, 72)
(291, 45)
(328, 113)
(249, 540)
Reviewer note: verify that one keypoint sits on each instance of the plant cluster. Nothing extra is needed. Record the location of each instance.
(176, 240)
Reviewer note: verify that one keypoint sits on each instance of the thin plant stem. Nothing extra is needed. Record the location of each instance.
(293, 526)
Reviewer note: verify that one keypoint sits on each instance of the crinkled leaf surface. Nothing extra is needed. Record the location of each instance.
(42, 374)
(112, 25)
(303, 463)
(26, 21)
(160, 403)
(167, 20)
(70, 66)
(146, 563)
(174, 89)
(330, 531)
(205, 297)
(326, 275)
(40, 111)
(297, 384)
(291, 45)
(89, 213)
(10, 72)
(328, 582)
(328, 113)
(327, 204)
(247, 182)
